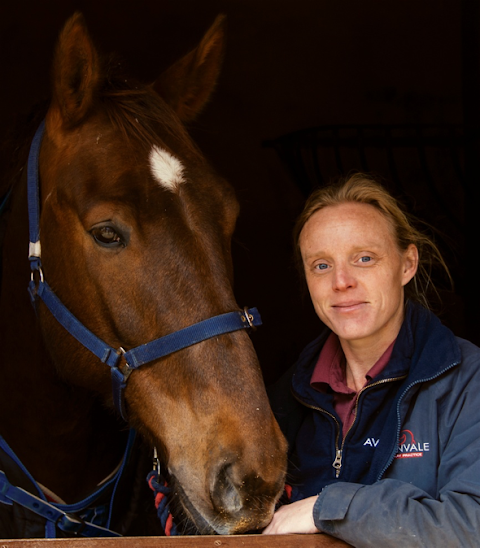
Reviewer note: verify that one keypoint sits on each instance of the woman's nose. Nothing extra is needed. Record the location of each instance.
(343, 278)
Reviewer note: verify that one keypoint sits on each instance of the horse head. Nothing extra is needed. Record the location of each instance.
(135, 233)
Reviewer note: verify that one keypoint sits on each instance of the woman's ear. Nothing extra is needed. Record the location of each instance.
(410, 263)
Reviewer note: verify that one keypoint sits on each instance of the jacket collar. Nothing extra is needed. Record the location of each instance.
(423, 349)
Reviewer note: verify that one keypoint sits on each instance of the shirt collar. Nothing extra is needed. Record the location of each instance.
(329, 370)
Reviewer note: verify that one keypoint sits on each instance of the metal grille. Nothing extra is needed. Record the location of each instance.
(423, 165)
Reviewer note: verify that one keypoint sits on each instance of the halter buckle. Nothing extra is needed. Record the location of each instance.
(70, 523)
(247, 317)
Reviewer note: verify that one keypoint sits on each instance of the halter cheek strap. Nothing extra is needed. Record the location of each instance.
(135, 357)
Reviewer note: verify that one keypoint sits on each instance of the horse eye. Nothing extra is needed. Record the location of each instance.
(106, 236)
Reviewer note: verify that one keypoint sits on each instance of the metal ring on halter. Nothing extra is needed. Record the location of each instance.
(248, 317)
(40, 271)
(156, 461)
(126, 369)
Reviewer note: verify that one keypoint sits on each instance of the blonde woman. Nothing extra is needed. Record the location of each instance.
(382, 410)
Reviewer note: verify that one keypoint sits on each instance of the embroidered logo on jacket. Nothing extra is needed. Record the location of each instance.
(372, 442)
(409, 448)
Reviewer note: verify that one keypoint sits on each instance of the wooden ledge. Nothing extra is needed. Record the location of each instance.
(237, 541)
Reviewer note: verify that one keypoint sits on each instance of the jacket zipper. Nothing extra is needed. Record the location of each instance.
(338, 462)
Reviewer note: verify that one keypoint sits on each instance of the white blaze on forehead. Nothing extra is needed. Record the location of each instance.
(166, 169)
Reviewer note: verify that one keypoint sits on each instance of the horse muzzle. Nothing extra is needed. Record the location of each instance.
(237, 501)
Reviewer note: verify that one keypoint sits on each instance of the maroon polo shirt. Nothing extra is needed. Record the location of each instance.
(330, 372)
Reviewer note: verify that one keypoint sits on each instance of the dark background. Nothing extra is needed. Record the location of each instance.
(290, 65)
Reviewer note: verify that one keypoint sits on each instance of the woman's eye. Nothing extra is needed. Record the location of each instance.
(106, 236)
(321, 266)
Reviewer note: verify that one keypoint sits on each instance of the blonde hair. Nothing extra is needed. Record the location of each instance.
(363, 189)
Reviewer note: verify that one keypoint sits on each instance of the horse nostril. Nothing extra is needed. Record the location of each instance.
(241, 497)
(225, 494)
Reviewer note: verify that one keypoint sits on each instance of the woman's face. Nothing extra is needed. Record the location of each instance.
(356, 273)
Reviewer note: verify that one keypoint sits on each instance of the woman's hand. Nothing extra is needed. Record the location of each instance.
(296, 517)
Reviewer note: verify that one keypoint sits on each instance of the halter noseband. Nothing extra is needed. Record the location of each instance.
(135, 357)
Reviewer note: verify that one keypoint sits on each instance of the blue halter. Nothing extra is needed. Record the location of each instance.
(134, 358)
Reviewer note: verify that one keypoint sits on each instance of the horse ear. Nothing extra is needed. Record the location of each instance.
(187, 85)
(76, 73)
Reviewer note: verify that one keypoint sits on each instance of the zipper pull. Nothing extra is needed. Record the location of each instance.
(337, 463)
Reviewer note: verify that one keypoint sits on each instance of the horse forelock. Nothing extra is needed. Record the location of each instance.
(144, 120)
(141, 116)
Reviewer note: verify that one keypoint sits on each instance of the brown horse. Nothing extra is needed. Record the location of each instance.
(135, 231)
